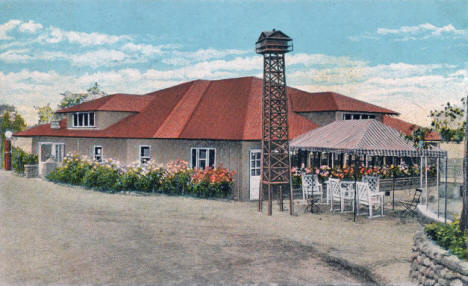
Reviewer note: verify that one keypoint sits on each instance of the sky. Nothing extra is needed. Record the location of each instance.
(408, 56)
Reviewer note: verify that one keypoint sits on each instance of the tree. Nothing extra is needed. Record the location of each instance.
(10, 121)
(6, 107)
(418, 135)
(45, 113)
(449, 121)
(69, 99)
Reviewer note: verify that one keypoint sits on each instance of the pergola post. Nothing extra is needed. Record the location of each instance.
(421, 172)
(426, 189)
(445, 190)
(437, 183)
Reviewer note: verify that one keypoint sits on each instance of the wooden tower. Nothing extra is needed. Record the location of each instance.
(276, 167)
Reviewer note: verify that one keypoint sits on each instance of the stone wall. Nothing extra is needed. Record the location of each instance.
(432, 265)
(31, 171)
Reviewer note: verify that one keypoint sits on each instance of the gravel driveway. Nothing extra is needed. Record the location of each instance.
(54, 234)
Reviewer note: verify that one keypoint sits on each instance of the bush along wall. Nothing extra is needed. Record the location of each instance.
(433, 265)
(175, 179)
(19, 158)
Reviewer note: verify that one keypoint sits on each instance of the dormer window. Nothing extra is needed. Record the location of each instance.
(357, 116)
(83, 119)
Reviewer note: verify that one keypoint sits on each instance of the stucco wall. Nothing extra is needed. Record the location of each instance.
(113, 148)
(327, 117)
(339, 114)
(165, 150)
(454, 150)
(233, 155)
(24, 143)
(320, 118)
(103, 119)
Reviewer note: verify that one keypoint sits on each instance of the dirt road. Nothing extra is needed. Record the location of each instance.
(52, 234)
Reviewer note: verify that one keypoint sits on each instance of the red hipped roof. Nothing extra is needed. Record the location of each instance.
(408, 128)
(228, 109)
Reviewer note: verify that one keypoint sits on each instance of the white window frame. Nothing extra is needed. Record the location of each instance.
(94, 152)
(142, 157)
(52, 151)
(87, 113)
(197, 155)
(369, 115)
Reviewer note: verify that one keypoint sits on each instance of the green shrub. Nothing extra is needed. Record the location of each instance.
(72, 171)
(19, 158)
(101, 177)
(141, 178)
(178, 183)
(448, 236)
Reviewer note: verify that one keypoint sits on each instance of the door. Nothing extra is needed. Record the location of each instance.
(51, 150)
(254, 171)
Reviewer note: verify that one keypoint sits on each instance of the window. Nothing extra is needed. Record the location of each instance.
(83, 119)
(357, 116)
(203, 157)
(144, 154)
(98, 153)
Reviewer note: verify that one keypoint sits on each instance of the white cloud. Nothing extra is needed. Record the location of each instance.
(412, 90)
(6, 27)
(15, 56)
(99, 58)
(145, 50)
(30, 27)
(321, 60)
(422, 31)
(184, 58)
(55, 35)
(416, 32)
(434, 30)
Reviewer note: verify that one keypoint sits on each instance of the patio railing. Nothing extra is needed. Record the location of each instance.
(404, 183)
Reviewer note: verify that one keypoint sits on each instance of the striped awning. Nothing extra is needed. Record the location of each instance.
(362, 137)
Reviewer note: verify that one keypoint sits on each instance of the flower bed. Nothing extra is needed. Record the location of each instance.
(175, 179)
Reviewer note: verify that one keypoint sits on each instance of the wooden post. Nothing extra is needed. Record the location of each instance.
(425, 175)
(260, 196)
(7, 154)
(280, 198)
(464, 219)
(291, 198)
(393, 191)
(269, 200)
(355, 189)
(445, 192)
(438, 179)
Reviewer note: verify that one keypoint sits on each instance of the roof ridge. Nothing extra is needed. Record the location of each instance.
(244, 127)
(333, 96)
(197, 106)
(174, 108)
(366, 130)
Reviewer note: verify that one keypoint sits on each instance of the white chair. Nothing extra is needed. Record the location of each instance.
(369, 198)
(311, 186)
(347, 194)
(342, 192)
(374, 183)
